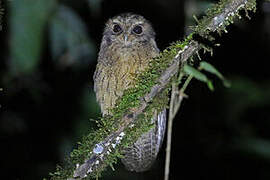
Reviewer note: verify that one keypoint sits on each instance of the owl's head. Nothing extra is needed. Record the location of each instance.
(128, 29)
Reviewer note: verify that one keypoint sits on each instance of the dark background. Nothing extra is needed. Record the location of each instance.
(48, 56)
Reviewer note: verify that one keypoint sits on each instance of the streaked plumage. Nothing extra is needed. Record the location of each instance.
(127, 45)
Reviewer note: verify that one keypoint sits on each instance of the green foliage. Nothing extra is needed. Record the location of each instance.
(69, 41)
(68, 36)
(26, 32)
(195, 73)
(210, 68)
(198, 75)
(214, 21)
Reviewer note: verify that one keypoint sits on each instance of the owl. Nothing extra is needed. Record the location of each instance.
(127, 45)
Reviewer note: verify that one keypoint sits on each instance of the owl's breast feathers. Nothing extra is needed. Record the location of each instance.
(116, 71)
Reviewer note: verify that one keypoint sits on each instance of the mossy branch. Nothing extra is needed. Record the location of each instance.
(103, 147)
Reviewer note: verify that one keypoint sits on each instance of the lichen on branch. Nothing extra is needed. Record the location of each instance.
(132, 114)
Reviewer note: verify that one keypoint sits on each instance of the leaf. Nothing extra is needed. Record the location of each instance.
(199, 76)
(195, 73)
(27, 21)
(210, 85)
(210, 68)
(70, 43)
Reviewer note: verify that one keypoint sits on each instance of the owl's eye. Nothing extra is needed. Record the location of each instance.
(117, 28)
(137, 29)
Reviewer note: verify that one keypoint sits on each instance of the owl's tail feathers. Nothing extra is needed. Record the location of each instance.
(141, 155)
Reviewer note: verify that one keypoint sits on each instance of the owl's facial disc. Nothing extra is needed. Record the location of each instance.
(127, 30)
(127, 34)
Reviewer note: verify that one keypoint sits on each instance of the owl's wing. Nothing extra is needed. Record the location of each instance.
(96, 77)
(142, 154)
(101, 82)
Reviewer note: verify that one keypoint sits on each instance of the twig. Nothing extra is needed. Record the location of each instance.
(169, 131)
(177, 97)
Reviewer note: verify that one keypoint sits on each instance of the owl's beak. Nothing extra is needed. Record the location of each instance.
(126, 39)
